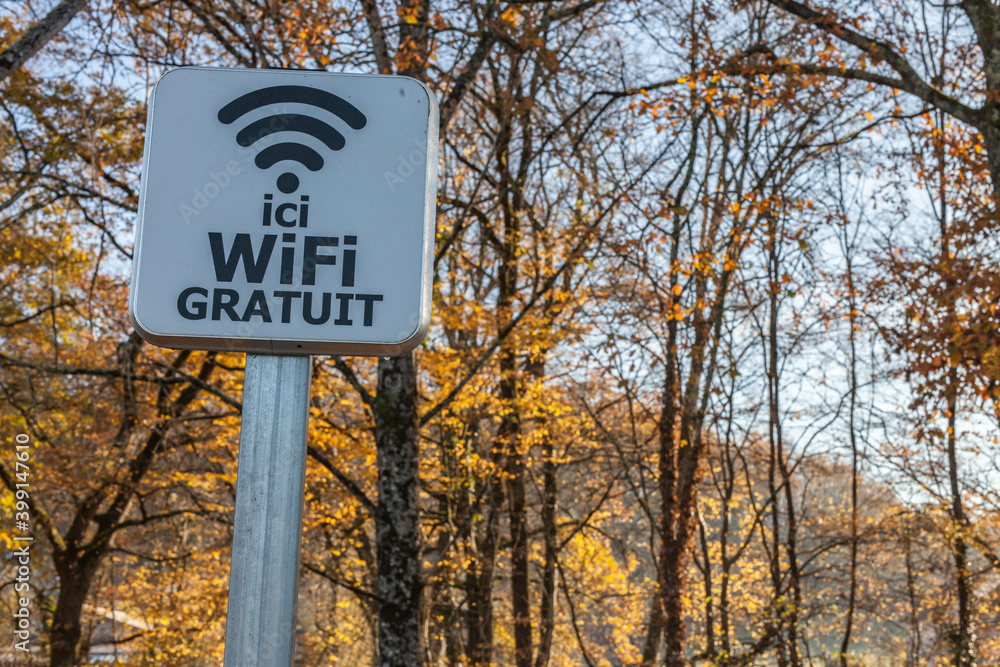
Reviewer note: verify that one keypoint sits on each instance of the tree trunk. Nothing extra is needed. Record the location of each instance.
(726, 561)
(479, 587)
(914, 640)
(519, 574)
(668, 610)
(965, 655)
(397, 527)
(397, 518)
(66, 646)
(509, 436)
(706, 569)
(680, 461)
(679, 510)
(964, 639)
(654, 632)
(788, 612)
(682, 415)
(855, 472)
(546, 613)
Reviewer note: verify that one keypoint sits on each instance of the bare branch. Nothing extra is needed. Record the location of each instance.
(908, 79)
(346, 481)
(38, 35)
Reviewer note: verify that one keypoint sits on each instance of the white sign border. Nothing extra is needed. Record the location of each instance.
(302, 346)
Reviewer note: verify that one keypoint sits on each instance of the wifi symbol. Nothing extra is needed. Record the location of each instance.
(291, 122)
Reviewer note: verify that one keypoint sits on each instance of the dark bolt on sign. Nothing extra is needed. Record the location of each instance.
(286, 212)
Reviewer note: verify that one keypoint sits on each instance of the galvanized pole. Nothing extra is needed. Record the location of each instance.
(270, 482)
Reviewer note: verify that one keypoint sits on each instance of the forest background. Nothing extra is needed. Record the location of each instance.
(712, 376)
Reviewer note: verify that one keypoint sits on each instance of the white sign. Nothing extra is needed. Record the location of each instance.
(286, 212)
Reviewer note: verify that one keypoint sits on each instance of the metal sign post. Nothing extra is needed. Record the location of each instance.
(260, 623)
(282, 213)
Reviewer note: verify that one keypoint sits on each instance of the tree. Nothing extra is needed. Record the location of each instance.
(37, 35)
(936, 80)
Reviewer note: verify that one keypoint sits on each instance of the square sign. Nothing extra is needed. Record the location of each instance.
(286, 212)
